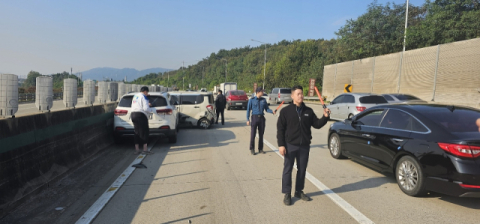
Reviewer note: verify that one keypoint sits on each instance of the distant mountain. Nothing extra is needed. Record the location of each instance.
(119, 74)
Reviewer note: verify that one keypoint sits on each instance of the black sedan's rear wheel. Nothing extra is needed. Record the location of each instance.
(335, 147)
(410, 177)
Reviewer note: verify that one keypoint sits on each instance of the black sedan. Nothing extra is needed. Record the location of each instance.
(428, 147)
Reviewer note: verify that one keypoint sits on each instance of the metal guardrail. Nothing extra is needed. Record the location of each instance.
(30, 97)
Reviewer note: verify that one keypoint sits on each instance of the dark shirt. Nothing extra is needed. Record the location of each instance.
(221, 102)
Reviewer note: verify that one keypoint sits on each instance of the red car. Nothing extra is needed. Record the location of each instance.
(236, 99)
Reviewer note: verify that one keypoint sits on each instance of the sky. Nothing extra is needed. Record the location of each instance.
(54, 36)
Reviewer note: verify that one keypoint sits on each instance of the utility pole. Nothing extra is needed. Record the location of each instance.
(264, 62)
(406, 25)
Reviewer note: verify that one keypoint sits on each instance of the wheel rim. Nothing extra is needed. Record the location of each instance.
(350, 116)
(204, 124)
(408, 175)
(334, 147)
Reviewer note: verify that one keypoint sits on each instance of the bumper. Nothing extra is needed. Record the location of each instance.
(452, 188)
(237, 103)
(152, 131)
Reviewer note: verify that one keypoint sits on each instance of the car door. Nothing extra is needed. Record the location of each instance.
(189, 108)
(334, 107)
(390, 137)
(344, 107)
(359, 139)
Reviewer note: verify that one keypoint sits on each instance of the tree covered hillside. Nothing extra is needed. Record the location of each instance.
(377, 32)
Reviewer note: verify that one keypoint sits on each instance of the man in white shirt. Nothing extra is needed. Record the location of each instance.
(139, 116)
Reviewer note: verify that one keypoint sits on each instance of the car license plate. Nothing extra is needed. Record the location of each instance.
(239, 103)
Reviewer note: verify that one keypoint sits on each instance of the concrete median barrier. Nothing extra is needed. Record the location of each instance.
(40, 148)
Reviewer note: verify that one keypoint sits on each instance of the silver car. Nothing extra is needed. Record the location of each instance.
(402, 98)
(348, 105)
(280, 94)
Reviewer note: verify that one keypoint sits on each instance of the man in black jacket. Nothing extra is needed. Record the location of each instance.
(220, 104)
(294, 135)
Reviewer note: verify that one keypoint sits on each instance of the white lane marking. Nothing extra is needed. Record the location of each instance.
(357, 215)
(95, 209)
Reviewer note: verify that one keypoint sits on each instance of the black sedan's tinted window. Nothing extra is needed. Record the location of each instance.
(454, 119)
(396, 119)
(373, 99)
(372, 118)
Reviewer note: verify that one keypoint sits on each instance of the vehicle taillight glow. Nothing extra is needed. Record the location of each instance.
(165, 127)
(118, 112)
(165, 111)
(210, 107)
(461, 150)
(119, 128)
(469, 186)
(361, 108)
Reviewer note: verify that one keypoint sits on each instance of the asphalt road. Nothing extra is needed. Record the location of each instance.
(209, 176)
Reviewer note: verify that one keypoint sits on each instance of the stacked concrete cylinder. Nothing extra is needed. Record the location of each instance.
(112, 91)
(128, 88)
(88, 92)
(102, 92)
(8, 95)
(44, 93)
(70, 96)
(122, 89)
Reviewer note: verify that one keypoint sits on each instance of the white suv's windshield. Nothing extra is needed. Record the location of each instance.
(156, 101)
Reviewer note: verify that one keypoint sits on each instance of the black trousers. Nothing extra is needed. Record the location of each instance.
(140, 124)
(221, 111)
(300, 154)
(257, 123)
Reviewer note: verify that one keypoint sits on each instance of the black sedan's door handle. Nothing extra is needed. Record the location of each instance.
(397, 140)
(368, 136)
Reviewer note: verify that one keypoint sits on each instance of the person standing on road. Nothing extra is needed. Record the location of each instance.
(220, 104)
(294, 136)
(139, 116)
(258, 105)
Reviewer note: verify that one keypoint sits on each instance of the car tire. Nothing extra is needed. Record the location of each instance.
(203, 123)
(410, 177)
(117, 140)
(335, 147)
(350, 116)
(172, 139)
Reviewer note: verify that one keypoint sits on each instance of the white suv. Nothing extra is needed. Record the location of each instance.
(162, 121)
(195, 109)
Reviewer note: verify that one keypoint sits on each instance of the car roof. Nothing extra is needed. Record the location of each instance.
(423, 107)
(360, 94)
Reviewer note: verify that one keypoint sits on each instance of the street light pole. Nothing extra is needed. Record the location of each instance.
(264, 62)
(406, 25)
(226, 64)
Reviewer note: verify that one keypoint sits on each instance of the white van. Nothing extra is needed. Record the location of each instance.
(195, 108)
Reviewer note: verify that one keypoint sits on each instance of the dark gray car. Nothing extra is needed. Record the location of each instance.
(402, 98)
(348, 105)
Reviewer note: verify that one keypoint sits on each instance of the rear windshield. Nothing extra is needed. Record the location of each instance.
(373, 99)
(238, 93)
(286, 91)
(156, 101)
(460, 120)
(405, 97)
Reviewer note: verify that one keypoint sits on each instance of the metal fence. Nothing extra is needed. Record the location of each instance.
(30, 97)
(447, 73)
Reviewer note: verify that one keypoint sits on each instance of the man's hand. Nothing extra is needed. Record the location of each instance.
(149, 104)
(282, 150)
(274, 112)
(248, 123)
(326, 112)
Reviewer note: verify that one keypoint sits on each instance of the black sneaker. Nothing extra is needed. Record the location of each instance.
(303, 196)
(287, 200)
(261, 151)
(253, 152)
